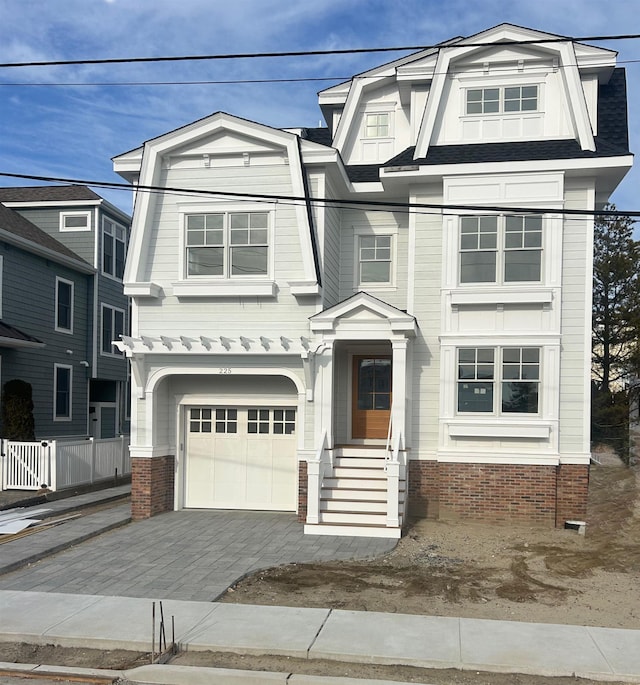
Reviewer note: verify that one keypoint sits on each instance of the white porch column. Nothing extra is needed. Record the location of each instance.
(399, 386)
(324, 398)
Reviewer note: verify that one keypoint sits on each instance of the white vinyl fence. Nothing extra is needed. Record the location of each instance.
(60, 464)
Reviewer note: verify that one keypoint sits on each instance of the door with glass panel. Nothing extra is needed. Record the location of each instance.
(371, 397)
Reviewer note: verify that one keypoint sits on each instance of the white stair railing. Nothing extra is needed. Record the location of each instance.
(394, 457)
(315, 474)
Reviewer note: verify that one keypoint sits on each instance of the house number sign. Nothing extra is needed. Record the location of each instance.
(224, 370)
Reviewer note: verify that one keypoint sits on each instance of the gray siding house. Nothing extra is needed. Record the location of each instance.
(96, 233)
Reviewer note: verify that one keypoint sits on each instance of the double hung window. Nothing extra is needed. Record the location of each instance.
(62, 383)
(498, 381)
(374, 259)
(113, 248)
(112, 328)
(503, 99)
(500, 249)
(227, 244)
(64, 306)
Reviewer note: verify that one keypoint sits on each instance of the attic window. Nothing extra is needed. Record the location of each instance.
(376, 125)
(75, 221)
(502, 100)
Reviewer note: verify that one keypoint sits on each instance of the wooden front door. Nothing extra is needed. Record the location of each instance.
(371, 405)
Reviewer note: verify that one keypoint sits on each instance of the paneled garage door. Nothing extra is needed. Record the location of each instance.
(241, 458)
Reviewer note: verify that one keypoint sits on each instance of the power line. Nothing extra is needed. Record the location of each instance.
(338, 202)
(311, 53)
(494, 70)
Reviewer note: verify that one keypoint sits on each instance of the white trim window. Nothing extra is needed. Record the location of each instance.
(227, 244)
(502, 100)
(114, 248)
(374, 257)
(500, 249)
(75, 221)
(377, 125)
(62, 392)
(112, 328)
(64, 305)
(498, 381)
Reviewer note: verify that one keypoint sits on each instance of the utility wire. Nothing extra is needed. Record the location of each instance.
(338, 202)
(310, 53)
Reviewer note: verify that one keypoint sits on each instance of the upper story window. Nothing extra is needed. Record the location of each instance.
(377, 125)
(498, 380)
(114, 248)
(374, 259)
(75, 221)
(500, 249)
(64, 306)
(112, 329)
(227, 244)
(503, 99)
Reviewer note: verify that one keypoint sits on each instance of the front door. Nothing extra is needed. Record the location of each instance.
(371, 406)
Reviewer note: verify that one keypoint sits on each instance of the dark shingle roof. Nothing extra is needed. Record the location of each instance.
(612, 140)
(8, 332)
(47, 194)
(322, 135)
(15, 223)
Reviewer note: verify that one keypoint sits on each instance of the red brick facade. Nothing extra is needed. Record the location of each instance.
(152, 484)
(303, 489)
(537, 495)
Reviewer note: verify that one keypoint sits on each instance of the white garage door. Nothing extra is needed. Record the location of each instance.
(241, 458)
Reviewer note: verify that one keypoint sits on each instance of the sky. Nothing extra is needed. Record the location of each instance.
(73, 131)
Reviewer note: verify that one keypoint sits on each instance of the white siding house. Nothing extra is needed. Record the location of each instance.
(383, 317)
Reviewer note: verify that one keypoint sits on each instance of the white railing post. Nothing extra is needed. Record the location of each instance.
(53, 465)
(92, 473)
(393, 467)
(121, 455)
(314, 468)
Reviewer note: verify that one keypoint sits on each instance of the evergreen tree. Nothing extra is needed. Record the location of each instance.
(17, 411)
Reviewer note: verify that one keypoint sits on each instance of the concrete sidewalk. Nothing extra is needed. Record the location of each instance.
(350, 636)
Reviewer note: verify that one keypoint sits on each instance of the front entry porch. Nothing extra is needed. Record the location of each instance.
(356, 484)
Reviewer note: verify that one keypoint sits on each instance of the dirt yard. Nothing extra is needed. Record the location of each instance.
(484, 571)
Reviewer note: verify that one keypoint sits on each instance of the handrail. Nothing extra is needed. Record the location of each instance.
(315, 474)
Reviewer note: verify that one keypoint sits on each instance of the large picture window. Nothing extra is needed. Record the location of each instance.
(232, 244)
(498, 381)
(500, 249)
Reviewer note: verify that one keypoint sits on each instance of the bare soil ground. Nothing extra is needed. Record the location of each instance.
(446, 569)
(486, 571)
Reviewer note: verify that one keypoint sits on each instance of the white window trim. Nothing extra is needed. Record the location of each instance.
(391, 231)
(500, 283)
(497, 380)
(55, 392)
(68, 331)
(106, 274)
(225, 286)
(112, 309)
(73, 229)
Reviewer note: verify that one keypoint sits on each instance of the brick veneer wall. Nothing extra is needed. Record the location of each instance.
(152, 483)
(539, 495)
(303, 490)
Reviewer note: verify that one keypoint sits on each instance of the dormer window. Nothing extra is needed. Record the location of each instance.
(376, 125)
(505, 99)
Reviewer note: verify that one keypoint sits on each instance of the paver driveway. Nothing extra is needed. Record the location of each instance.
(189, 555)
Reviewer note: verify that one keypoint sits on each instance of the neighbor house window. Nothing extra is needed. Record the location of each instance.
(374, 259)
(376, 125)
(64, 306)
(114, 250)
(62, 383)
(500, 249)
(227, 244)
(498, 381)
(112, 329)
(75, 221)
(502, 100)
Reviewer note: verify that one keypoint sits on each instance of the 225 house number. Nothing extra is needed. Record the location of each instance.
(224, 370)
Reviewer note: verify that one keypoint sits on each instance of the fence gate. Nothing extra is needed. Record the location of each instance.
(25, 465)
